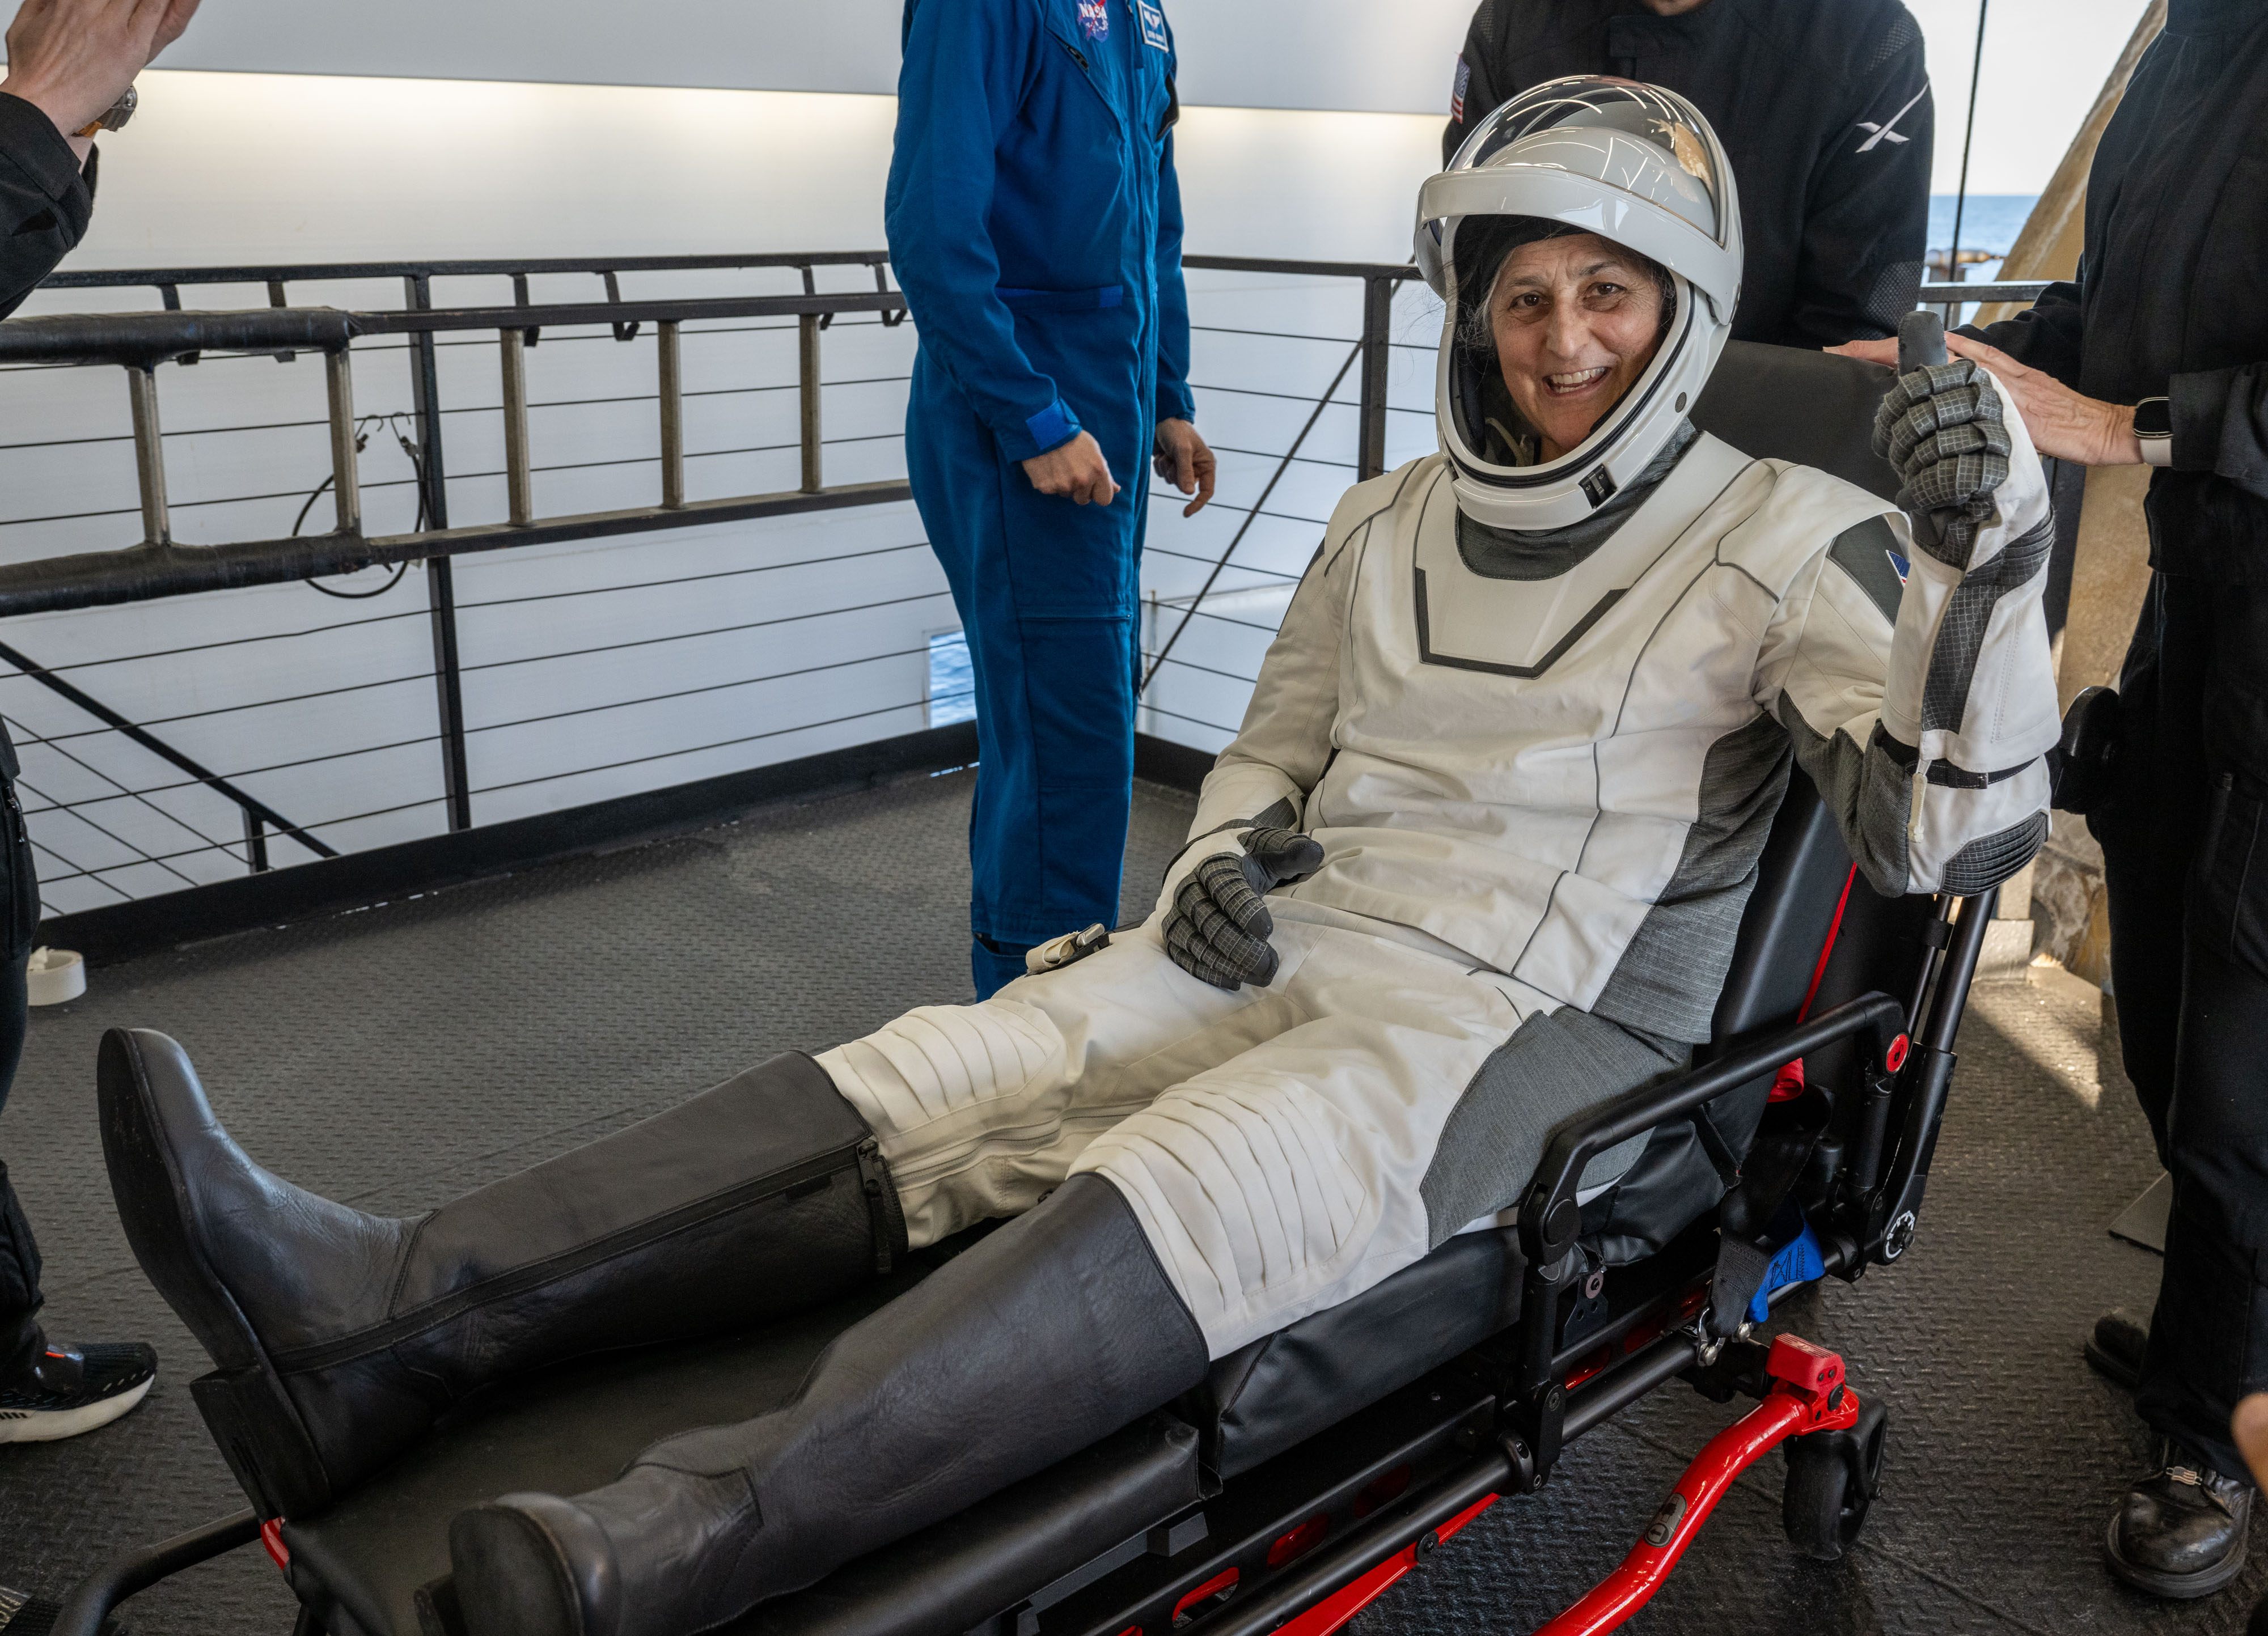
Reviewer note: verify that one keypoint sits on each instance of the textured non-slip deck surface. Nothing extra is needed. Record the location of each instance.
(397, 1057)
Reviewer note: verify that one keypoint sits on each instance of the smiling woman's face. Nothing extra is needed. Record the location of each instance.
(1576, 321)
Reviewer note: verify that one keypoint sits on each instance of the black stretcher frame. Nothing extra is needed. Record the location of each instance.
(1532, 1414)
(1495, 1421)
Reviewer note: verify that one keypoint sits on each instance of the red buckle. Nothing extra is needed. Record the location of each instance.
(1811, 1370)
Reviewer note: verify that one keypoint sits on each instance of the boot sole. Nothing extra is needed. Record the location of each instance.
(2112, 1368)
(266, 1443)
(2173, 1586)
(48, 1426)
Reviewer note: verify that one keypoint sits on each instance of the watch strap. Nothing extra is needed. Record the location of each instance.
(2154, 429)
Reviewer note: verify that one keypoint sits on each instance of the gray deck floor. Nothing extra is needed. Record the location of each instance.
(398, 1056)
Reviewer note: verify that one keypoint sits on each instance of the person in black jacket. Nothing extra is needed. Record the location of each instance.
(1823, 105)
(2157, 353)
(71, 65)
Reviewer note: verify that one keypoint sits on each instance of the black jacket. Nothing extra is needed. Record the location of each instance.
(45, 200)
(2172, 295)
(45, 204)
(1822, 104)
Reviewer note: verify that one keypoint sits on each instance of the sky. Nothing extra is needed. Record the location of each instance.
(2044, 60)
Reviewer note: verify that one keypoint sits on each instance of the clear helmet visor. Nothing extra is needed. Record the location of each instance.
(1656, 145)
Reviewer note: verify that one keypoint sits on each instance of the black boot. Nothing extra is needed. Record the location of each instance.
(338, 1336)
(2113, 1350)
(1052, 1332)
(2180, 1532)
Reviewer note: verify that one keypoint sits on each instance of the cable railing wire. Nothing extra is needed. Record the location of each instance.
(419, 427)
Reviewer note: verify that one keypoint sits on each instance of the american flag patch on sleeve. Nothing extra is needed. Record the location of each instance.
(1457, 94)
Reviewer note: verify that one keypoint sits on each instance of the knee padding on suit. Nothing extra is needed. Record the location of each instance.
(1252, 1188)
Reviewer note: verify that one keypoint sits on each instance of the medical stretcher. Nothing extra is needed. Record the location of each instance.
(1317, 1466)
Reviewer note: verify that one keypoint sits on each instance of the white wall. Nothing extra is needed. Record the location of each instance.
(221, 168)
(1355, 55)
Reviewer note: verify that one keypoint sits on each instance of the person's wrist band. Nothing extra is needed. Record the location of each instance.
(2154, 429)
(115, 116)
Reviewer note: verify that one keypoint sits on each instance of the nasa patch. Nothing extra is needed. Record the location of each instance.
(1153, 26)
(1095, 19)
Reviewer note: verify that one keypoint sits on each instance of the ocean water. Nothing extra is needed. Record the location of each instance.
(952, 684)
(1989, 222)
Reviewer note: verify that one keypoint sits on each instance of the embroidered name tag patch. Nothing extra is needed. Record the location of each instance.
(1154, 25)
(1095, 19)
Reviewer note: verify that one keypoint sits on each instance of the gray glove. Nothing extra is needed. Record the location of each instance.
(1218, 929)
(1941, 425)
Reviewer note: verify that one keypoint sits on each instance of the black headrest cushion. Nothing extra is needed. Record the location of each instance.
(1790, 403)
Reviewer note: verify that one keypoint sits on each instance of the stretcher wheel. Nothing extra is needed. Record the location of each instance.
(1832, 1479)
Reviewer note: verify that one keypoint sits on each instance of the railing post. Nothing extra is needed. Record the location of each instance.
(149, 454)
(813, 476)
(1377, 329)
(519, 483)
(255, 842)
(440, 576)
(346, 480)
(672, 393)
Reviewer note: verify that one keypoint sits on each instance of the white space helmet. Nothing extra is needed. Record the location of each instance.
(1634, 164)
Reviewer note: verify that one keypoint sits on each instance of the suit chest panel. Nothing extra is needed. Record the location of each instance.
(1661, 662)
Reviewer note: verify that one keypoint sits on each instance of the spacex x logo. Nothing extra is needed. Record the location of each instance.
(1888, 131)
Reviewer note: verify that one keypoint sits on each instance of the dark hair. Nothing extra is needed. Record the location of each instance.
(1485, 243)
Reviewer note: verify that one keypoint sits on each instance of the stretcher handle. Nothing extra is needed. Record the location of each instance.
(1921, 343)
(1548, 1217)
(1921, 340)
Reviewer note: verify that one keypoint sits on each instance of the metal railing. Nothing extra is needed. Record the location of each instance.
(160, 567)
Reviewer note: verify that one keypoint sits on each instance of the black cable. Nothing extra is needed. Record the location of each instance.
(362, 442)
(1969, 134)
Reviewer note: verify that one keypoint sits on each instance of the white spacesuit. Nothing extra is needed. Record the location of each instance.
(1539, 800)
(1474, 863)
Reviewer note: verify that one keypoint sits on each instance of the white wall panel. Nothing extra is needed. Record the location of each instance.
(1278, 54)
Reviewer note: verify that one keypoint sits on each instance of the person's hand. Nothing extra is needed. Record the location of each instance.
(1075, 469)
(1183, 461)
(2061, 421)
(1219, 927)
(71, 59)
(2248, 1426)
(1869, 351)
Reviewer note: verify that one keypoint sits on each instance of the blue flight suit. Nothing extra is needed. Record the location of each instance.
(1035, 226)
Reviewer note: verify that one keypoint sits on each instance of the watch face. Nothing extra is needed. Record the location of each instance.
(2153, 417)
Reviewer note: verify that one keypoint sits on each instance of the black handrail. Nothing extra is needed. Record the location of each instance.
(1548, 1215)
(93, 1598)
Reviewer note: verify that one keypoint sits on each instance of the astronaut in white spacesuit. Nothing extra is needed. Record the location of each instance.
(1474, 863)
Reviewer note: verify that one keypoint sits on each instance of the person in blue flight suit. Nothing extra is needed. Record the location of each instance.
(1035, 226)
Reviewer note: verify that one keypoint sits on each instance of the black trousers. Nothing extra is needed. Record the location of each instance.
(19, 923)
(2186, 867)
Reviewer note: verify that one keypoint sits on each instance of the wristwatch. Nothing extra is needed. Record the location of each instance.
(2153, 425)
(115, 117)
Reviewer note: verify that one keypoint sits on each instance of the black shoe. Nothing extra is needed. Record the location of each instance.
(339, 1337)
(1045, 1336)
(69, 1389)
(2180, 1532)
(2115, 1349)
